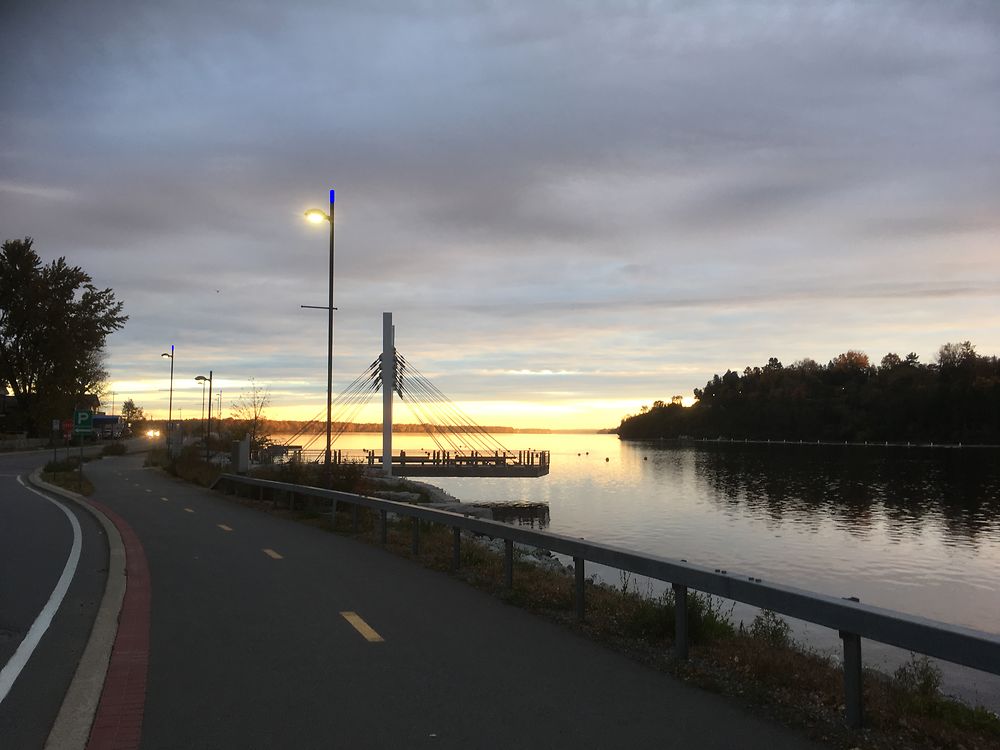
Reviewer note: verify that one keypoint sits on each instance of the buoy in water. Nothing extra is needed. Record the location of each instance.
(606, 460)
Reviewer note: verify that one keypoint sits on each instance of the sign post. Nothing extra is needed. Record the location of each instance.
(83, 424)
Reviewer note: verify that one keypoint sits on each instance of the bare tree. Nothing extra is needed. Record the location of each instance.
(248, 413)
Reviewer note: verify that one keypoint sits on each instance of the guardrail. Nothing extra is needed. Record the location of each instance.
(851, 618)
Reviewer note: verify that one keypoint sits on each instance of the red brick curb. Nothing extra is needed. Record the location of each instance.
(118, 722)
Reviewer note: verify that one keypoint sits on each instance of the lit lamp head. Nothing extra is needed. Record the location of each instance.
(167, 355)
(316, 216)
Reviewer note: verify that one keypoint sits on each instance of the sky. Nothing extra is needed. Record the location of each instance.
(571, 208)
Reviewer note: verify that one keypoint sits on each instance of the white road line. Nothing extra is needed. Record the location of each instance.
(272, 554)
(13, 667)
(224, 527)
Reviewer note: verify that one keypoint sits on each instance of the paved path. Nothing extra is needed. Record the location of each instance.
(249, 647)
(36, 539)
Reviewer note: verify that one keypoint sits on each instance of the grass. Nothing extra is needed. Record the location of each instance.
(760, 664)
(67, 474)
(189, 465)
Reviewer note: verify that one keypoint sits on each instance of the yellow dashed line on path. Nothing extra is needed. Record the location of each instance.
(224, 527)
(366, 630)
(148, 490)
(271, 553)
(188, 510)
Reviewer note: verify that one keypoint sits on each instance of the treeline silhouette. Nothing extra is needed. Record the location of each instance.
(955, 399)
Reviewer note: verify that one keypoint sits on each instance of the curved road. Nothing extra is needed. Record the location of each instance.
(36, 541)
(269, 633)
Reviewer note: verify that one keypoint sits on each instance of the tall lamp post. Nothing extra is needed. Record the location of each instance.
(317, 216)
(170, 407)
(208, 425)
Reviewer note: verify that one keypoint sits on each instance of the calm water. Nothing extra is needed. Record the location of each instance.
(916, 530)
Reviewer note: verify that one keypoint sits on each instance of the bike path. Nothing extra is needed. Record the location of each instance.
(249, 647)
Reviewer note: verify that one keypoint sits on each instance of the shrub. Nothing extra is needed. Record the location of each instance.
(771, 629)
(67, 464)
(919, 677)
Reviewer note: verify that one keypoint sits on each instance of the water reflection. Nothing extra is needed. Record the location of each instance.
(954, 492)
(534, 515)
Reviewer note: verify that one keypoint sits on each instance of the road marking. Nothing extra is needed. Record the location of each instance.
(224, 527)
(164, 499)
(148, 490)
(188, 510)
(13, 667)
(271, 553)
(366, 630)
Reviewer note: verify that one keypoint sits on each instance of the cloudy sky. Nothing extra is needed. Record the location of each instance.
(571, 208)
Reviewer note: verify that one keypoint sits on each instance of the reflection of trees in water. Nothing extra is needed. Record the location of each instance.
(535, 515)
(955, 490)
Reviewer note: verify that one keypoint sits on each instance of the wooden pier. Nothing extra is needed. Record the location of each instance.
(472, 464)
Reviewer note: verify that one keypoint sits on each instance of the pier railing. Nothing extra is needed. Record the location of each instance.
(853, 620)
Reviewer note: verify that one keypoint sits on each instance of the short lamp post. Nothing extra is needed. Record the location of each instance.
(202, 379)
(170, 407)
(208, 425)
(318, 216)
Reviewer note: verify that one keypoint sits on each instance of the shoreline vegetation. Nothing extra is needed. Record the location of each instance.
(954, 400)
(756, 663)
(293, 427)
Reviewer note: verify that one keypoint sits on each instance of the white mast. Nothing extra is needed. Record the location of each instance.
(388, 385)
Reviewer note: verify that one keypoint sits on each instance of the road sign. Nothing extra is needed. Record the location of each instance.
(83, 423)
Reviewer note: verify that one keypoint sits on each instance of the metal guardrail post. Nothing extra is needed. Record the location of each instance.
(680, 621)
(456, 548)
(384, 522)
(581, 606)
(853, 700)
(416, 537)
(508, 563)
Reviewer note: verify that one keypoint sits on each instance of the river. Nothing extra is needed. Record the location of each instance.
(911, 529)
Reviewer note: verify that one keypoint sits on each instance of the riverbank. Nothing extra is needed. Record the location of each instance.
(681, 441)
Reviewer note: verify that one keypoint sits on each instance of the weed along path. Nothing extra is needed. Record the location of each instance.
(271, 633)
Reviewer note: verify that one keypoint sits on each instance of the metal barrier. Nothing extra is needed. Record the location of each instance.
(853, 619)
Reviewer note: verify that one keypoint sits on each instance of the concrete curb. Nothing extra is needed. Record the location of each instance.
(71, 730)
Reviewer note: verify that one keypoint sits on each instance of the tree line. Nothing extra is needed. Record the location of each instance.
(955, 399)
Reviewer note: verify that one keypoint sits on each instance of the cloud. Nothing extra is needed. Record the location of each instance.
(628, 197)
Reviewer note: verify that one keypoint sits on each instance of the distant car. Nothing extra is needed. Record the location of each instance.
(152, 433)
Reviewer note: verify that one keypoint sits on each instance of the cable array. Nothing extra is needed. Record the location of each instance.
(344, 408)
(441, 418)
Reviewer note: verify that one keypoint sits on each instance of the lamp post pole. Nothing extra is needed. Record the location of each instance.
(202, 379)
(329, 351)
(170, 407)
(317, 216)
(208, 425)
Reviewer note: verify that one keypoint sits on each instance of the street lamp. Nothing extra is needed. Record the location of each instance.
(317, 216)
(208, 425)
(170, 407)
(202, 379)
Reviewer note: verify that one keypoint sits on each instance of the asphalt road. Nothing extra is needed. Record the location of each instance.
(249, 647)
(36, 538)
